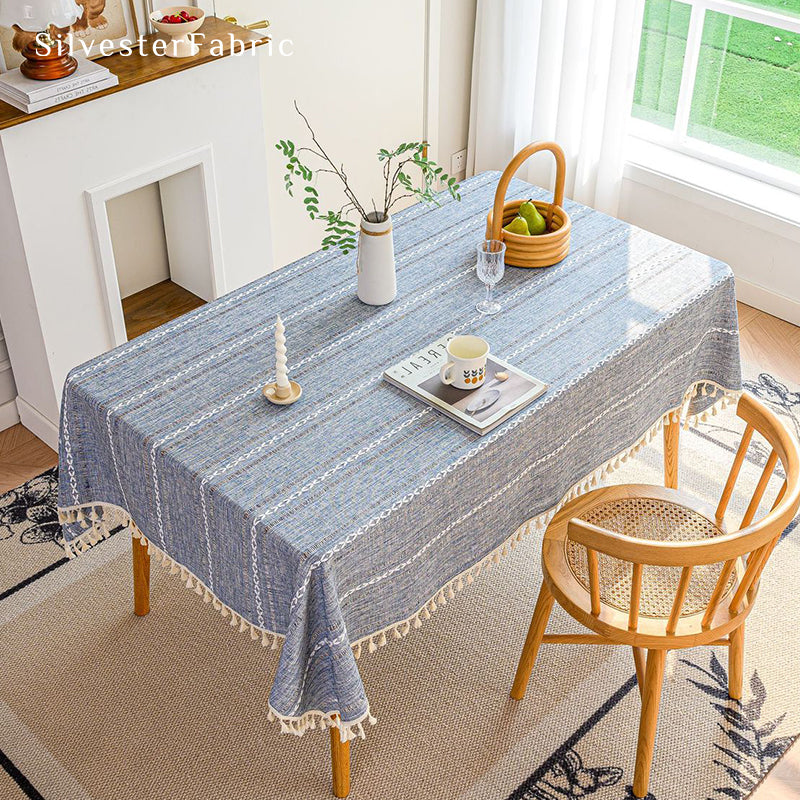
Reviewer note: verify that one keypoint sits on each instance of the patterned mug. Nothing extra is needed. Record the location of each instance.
(466, 367)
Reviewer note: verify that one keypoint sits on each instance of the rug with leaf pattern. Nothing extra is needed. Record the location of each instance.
(97, 704)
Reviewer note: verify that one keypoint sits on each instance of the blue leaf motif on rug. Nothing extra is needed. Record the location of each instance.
(567, 777)
(29, 513)
(771, 390)
(750, 748)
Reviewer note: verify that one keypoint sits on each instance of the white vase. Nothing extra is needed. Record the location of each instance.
(375, 262)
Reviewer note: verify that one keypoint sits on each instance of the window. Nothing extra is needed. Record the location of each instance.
(720, 79)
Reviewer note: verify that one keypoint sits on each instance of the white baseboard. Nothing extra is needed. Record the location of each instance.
(38, 424)
(8, 415)
(752, 294)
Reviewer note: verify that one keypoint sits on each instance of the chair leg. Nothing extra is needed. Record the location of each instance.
(736, 663)
(141, 578)
(340, 763)
(639, 661)
(534, 638)
(672, 434)
(651, 699)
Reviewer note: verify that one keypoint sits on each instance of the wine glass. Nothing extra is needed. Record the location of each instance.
(491, 266)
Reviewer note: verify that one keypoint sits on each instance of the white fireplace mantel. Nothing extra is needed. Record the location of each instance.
(59, 301)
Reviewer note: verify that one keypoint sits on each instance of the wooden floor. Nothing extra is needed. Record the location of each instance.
(769, 342)
(156, 305)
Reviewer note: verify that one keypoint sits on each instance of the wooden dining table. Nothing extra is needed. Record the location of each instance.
(333, 526)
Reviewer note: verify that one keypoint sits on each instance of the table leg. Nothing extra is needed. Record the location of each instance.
(141, 578)
(671, 441)
(340, 761)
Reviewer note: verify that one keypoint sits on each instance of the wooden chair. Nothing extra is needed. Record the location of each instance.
(652, 568)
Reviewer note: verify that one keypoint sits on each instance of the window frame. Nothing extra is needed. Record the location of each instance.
(677, 138)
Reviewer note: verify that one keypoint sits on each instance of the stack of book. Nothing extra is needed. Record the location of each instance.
(30, 96)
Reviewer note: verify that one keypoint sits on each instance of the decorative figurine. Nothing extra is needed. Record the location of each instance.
(283, 391)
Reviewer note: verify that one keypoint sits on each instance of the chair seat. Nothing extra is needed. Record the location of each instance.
(644, 512)
(655, 520)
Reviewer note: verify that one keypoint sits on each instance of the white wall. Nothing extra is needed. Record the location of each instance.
(764, 252)
(455, 76)
(137, 232)
(361, 64)
(357, 72)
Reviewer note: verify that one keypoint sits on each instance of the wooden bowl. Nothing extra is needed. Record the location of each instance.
(547, 248)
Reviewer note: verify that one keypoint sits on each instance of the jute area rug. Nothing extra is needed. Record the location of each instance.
(96, 704)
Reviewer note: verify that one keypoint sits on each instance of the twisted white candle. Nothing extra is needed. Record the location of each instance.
(281, 371)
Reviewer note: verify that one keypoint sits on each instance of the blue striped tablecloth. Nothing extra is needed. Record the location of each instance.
(334, 523)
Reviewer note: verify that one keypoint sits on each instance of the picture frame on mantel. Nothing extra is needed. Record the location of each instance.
(102, 20)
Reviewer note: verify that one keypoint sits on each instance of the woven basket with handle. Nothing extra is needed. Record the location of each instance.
(547, 248)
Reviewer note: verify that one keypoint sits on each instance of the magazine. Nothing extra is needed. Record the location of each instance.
(481, 409)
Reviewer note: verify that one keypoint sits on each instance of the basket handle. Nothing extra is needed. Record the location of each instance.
(509, 172)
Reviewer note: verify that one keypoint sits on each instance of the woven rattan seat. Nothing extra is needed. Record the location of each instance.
(655, 520)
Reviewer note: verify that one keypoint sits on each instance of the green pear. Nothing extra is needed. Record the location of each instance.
(535, 220)
(518, 225)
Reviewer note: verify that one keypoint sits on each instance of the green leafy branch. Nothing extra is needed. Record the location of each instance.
(432, 175)
(340, 232)
(398, 184)
(293, 166)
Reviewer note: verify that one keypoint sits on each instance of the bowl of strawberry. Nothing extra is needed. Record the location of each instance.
(179, 23)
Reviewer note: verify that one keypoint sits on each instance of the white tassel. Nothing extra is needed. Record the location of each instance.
(382, 639)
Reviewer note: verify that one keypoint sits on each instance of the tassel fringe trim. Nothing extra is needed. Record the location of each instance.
(98, 528)
(312, 720)
(99, 520)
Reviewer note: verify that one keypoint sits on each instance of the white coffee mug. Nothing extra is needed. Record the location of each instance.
(466, 365)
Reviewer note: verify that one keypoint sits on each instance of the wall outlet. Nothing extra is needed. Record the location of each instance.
(458, 162)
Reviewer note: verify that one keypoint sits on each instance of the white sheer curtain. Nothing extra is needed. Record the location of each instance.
(561, 70)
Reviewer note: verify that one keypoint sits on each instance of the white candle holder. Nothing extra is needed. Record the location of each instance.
(270, 391)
